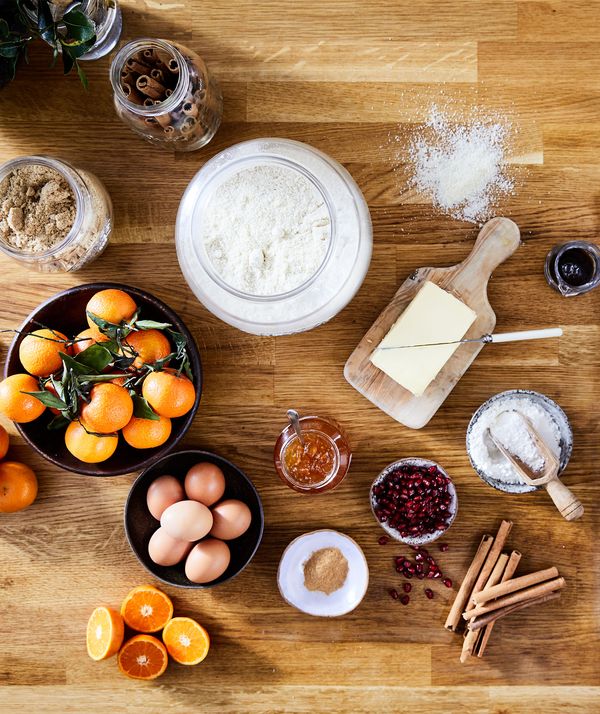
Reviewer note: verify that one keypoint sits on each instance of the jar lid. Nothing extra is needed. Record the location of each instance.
(333, 285)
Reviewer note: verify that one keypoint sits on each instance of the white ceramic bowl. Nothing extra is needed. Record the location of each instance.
(320, 297)
(290, 575)
(453, 509)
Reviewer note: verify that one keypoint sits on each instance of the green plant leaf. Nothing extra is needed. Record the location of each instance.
(48, 399)
(79, 26)
(141, 408)
(93, 378)
(4, 29)
(72, 364)
(110, 329)
(58, 422)
(152, 325)
(82, 77)
(95, 357)
(68, 62)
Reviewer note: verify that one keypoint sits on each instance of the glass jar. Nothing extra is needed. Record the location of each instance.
(91, 228)
(573, 268)
(318, 465)
(328, 290)
(165, 93)
(106, 16)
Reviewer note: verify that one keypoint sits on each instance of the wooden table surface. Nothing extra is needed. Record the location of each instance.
(347, 77)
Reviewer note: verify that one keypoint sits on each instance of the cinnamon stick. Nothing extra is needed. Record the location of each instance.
(491, 617)
(190, 109)
(462, 596)
(134, 66)
(511, 586)
(157, 75)
(150, 87)
(486, 632)
(471, 637)
(519, 596)
(491, 559)
(173, 66)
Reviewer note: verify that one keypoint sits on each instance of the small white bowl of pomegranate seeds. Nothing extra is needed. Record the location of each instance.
(414, 500)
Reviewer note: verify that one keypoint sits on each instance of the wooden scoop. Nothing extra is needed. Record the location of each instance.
(567, 503)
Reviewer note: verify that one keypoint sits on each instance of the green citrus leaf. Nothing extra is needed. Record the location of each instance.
(142, 410)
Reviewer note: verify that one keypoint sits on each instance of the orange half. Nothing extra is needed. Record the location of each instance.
(187, 642)
(146, 609)
(143, 657)
(105, 630)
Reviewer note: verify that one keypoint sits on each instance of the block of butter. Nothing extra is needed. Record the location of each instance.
(434, 315)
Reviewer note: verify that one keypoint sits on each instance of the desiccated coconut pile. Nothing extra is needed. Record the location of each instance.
(461, 168)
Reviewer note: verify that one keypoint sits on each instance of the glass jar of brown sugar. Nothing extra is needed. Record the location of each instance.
(53, 216)
(316, 464)
(165, 94)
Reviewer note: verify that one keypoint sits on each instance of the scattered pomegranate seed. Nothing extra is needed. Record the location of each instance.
(393, 594)
(429, 593)
(383, 540)
(447, 582)
(407, 587)
(444, 547)
(405, 599)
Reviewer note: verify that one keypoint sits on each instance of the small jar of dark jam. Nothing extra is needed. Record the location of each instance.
(573, 268)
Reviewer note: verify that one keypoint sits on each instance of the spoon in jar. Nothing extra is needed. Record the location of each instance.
(294, 418)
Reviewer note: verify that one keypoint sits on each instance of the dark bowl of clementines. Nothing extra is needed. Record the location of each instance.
(91, 444)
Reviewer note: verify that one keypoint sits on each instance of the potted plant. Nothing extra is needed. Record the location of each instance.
(70, 35)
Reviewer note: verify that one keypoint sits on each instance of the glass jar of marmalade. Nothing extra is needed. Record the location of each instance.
(320, 463)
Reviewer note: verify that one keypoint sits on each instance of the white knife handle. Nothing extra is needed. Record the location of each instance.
(527, 335)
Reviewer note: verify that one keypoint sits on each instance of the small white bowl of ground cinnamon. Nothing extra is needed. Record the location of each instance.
(323, 573)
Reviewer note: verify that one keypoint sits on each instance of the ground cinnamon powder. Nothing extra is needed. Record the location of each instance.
(37, 208)
(326, 570)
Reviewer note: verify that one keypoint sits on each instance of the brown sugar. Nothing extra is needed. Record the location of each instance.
(326, 570)
(37, 208)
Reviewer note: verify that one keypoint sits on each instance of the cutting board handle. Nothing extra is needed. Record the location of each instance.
(497, 240)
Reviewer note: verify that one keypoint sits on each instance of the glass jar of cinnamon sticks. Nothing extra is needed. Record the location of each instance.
(165, 93)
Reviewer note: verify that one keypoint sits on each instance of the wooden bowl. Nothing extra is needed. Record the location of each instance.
(140, 524)
(66, 312)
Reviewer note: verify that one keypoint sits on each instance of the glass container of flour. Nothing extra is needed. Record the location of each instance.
(273, 236)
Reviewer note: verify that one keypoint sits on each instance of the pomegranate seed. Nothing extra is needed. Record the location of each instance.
(429, 593)
(393, 594)
(447, 582)
(383, 540)
(444, 547)
(405, 599)
(407, 587)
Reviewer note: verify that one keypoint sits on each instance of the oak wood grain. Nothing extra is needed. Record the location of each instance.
(352, 78)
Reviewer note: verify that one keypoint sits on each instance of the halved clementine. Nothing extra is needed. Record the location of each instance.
(146, 609)
(187, 642)
(143, 657)
(105, 631)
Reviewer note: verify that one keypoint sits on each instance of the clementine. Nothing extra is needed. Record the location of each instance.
(17, 405)
(187, 642)
(143, 657)
(148, 345)
(3, 442)
(110, 408)
(86, 339)
(105, 632)
(111, 305)
(87, 447)
(147, 433)
(168, 393)
(39, 351)
(18, 486)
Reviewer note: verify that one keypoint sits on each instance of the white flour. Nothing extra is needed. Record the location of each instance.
(509, 430)
(461, 167)
(266, 230)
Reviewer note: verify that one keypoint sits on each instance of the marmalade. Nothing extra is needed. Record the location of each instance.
(318, 465)
(311, 462)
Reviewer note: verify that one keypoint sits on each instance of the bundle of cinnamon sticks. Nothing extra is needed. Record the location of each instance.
(149, 78)
(489, 591)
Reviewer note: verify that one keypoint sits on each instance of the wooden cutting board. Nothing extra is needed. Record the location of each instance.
(497, 240)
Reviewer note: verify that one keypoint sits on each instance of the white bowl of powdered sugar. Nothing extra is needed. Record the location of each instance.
(273, 236)
(503, 415)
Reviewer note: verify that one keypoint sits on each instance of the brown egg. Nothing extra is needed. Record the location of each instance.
(205, 482)
(207, 561)
(231, 518)
(187, 520)
(164, 550)
(162, 493)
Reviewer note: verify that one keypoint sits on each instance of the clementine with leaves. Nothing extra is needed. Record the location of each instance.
(110, 408)
(147, 433)
(149, 346)
(88, 447)
(112, 305)
(15, 403)
(170, 394)
(39, 351)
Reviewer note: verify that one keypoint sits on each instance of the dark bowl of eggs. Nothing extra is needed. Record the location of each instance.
(194, 519)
